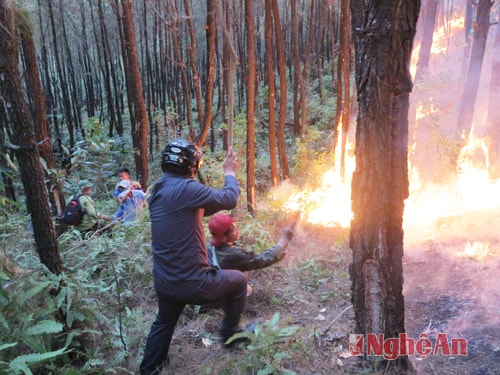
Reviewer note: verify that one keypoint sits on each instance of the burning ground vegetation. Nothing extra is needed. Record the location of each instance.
(451, 287)
(305, 316)
(451, 265)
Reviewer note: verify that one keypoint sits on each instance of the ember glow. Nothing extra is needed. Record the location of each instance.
(329, 204)
(471, 190)
(437, 201)
(476, 250)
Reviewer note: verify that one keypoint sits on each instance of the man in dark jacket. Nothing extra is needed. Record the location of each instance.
(181, 272)
(225, 254)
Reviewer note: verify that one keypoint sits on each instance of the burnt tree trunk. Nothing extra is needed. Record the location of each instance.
(280, 50)
(468, 29)
(298, 87)
(177, 38)
(493, 119)
(102, 47)
(251, 80)
(343, 82)
(24, 143)
(41, 125)
(211, 32)
(271, 93)
(383, 34)
(429, 11)
(140, 125)
(192, 62)
(61, 76)
(466, 112)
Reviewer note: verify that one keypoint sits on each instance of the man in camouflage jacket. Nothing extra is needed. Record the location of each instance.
(224, 254)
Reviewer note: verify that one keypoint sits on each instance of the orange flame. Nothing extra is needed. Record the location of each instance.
(330, 204)
(477, 250)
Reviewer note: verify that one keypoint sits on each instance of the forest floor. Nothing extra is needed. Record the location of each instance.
(445, 292)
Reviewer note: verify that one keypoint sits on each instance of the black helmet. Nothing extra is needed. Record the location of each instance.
(182, 154)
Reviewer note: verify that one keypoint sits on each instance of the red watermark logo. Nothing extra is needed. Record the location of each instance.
(376, 345)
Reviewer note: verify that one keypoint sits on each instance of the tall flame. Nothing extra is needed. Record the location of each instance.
(329, 205)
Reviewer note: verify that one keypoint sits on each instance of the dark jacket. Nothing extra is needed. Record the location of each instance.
(177, 205)
(239, 258)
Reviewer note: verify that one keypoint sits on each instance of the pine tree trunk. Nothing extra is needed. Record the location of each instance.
(344, 81)
(192, 62)
(493, 119)
(140, 128)
(429, 11)
(383, 34)
(298, 88)
(280, 47)
(41, 127)
(62, 77)
(466, 112)
(24, 143)
(211, 32)
(271, 91)
(251, 79)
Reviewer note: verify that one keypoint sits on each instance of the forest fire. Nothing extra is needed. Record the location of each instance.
(328, 205)
(471, 190)
(476, 250)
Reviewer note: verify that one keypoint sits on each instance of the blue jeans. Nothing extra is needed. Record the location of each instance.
(228, 284)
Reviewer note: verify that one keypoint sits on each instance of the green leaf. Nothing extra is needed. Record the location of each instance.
(17, 367)
(274, 320)
(34, 291)
(288, 331)
(34, 343)
(61, 297)
(4, 322)
(4, 297)
(37, 357)
(45, 326)
(7, 345)
(265, 371)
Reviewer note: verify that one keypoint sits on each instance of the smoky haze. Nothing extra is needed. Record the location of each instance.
(452, 241)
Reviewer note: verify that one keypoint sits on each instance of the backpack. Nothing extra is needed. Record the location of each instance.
(73, 213)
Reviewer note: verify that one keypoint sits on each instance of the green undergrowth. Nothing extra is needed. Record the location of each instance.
(95, 316)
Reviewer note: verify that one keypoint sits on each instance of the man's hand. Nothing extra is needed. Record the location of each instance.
(289, 230)
(230, 163)
(287, 235)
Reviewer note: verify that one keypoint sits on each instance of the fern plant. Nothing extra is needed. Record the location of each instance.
(31, 335)
(265, 354)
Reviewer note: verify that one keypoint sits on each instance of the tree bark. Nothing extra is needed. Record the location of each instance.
(210, 72)
(41, 125)
(251, 79)
(192, 63)
(139, 129)
(383, 34)
(468, 29)
(343, 81)
(493, 119)
(280, 48)
(466, 112)
(298, 86)
(62, 77)
(429, 11)
(24, 142)
(271, 95)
